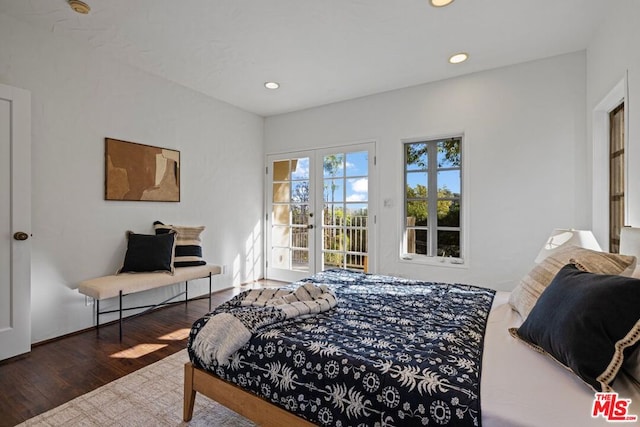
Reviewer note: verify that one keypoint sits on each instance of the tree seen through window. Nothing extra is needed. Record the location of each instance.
(433, 198)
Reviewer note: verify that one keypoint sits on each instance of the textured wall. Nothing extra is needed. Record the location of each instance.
(612, 56)
(525, 158)
(79, 97)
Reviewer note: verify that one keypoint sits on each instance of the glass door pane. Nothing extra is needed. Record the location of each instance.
(335, 185)
(345, 214)
(289, 240)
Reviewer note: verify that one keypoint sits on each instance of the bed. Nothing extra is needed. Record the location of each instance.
(395, 352)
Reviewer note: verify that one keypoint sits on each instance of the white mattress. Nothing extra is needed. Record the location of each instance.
(520, 387)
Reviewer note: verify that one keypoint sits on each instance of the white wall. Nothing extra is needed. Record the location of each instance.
(613, 55)
(78, 99)
(528, 154)
(526, 159)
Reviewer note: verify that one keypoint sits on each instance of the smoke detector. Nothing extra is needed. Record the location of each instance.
(79, 6)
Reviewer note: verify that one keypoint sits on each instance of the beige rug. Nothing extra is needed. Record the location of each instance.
(151, 396)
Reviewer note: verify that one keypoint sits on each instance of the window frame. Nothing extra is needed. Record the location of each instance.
(463, 260)
(617, 176)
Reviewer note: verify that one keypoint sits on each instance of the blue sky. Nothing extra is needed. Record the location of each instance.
(356, 168)
(450, 179)
(357, 188)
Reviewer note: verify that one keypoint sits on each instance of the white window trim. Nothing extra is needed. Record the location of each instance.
(437, 261)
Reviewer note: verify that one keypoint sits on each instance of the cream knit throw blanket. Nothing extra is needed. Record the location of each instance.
(227, 332)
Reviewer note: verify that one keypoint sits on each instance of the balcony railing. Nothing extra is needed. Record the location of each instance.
(344, 245)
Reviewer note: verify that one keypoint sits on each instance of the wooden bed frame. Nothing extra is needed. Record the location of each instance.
(247, 404)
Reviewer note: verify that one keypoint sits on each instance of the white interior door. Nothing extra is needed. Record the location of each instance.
(15, 221)
(320, 212)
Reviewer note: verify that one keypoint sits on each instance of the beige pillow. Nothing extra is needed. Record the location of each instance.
(188, 252)
(525, 295)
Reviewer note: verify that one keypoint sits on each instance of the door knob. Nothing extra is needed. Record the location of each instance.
(310, 226)
(21, 235)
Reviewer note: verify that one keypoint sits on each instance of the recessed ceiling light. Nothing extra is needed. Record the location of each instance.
(79, 6)
(440, 3)
(272, 85)
(458, 58)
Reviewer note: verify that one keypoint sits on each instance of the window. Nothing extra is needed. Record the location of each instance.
(616, 177)
(432, 201)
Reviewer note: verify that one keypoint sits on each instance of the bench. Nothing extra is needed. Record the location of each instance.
(121, 285)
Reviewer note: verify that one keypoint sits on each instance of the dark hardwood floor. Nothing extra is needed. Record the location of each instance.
(60, 370)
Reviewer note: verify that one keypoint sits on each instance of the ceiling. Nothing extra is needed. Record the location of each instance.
(320, 51)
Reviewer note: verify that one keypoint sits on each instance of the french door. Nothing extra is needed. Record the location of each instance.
(320, 211)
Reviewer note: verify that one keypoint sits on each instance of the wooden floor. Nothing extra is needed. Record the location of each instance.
(58, 371)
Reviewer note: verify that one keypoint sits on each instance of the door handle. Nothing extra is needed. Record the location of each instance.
(310, 226)
(20, 235)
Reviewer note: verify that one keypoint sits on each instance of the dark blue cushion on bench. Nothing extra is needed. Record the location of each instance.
(148, 252)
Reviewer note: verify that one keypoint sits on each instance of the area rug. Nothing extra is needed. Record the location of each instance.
(151, 396)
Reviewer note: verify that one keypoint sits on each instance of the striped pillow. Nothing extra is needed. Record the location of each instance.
(525, 295)
(188, 243)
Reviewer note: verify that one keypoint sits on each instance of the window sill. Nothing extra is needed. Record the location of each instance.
(434, 261)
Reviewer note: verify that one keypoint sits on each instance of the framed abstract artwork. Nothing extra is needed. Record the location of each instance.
(140, 172)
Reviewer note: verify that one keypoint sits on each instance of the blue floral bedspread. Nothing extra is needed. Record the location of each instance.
(393, 352)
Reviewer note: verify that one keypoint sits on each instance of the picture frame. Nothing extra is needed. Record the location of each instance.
(140, 172)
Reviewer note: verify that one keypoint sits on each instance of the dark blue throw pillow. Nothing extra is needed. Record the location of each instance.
(148, 252)
(588, 322)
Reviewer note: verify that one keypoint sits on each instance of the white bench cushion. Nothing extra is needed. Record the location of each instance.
(110, 286)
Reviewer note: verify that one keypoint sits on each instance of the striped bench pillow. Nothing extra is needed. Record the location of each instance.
(188, 251)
